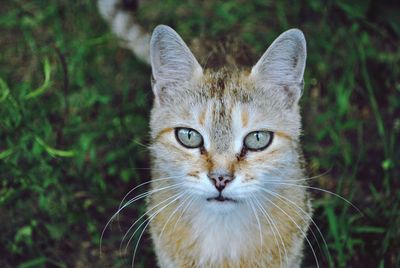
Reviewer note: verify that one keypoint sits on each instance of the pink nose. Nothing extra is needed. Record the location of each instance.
(220, 180)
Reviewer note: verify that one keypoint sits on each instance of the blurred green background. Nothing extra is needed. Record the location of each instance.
(74, 110)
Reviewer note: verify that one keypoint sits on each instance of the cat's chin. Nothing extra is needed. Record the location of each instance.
(221, 203)
(221, 199)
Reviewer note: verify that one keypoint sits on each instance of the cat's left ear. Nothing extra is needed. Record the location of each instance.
(282, 65)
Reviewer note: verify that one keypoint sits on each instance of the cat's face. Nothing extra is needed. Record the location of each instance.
(224, 136)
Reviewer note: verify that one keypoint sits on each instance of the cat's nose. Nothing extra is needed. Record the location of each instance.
(220, 180)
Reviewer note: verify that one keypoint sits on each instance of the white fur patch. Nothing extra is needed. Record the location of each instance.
(132, 36)
(222, 235)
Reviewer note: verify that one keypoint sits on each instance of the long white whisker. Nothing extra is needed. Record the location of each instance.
(143, 195)
(308, 216)
(275, 231)
(258, 221)
(172, 214)
(322, 190)
(298, 227)
(183, 212)
(142, 184)
(280, 174)
(259, 227)
(129, 203)
(147, 224)
(141, 217)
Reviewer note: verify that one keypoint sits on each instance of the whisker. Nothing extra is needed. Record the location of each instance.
(141, 144)
(183, 212)
(259, 228)
(283, 198)
(141, 217)
(142, 184)
(298, 227)
(280, 174)
(147, 224)
(129, 203)
(258, 221)
(172, 214)
(322, 190)
(274, 232)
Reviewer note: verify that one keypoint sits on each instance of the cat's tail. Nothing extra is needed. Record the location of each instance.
(119, 15)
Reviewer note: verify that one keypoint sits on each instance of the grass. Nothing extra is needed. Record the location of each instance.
(74, 112)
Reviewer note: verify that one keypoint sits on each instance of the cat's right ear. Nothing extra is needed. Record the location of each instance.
(172, 63)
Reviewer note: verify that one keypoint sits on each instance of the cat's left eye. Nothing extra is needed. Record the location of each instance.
(189, 137)
(258, 140)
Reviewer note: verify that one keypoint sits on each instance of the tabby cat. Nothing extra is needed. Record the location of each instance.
(228, 185)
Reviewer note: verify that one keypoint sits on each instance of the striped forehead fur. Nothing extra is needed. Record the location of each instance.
(222, 91)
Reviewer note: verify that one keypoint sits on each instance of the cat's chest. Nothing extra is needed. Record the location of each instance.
(205, 238)
(217, 238)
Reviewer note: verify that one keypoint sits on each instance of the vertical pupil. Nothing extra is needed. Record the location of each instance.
(189, 134)
(258, 136)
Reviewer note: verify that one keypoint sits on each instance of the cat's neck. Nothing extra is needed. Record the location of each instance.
(238, 238)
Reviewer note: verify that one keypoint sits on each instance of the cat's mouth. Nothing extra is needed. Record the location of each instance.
(221, 198)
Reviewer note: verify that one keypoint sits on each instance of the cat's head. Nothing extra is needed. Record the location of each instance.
(225, 136)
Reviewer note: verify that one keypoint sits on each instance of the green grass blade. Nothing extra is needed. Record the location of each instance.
(46, 84)
(55, 152)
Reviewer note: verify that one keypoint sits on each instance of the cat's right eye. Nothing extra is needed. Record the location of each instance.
(189, 137)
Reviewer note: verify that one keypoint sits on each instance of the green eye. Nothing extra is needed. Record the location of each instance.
(258, 140)
(189, 137)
